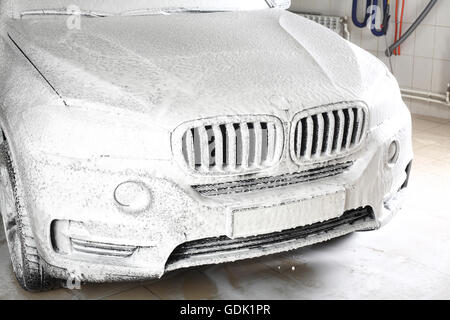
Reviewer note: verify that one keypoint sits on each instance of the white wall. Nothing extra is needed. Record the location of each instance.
(424, 63)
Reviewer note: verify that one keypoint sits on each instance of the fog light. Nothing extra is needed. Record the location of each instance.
(393, 152)
(133, 196)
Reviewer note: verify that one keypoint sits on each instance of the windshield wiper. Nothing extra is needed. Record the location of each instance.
(168, 11)
(65, 12)
(137, 12)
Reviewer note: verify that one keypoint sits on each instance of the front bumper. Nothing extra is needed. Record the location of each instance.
(111, 244)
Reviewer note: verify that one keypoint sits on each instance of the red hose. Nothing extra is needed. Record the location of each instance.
(396, 24)
(401, 24)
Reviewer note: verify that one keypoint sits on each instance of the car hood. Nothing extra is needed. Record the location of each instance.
(188, 66)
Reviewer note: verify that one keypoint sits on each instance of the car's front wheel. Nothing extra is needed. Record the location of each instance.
(22, 247)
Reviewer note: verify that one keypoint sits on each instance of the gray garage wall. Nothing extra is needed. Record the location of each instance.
(424, 63)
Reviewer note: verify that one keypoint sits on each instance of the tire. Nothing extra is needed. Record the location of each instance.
(25, 258)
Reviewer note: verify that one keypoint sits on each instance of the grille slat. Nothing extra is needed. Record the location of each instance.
(360, 124)
(189, 140)
(328, 134)
(231, 154)
(204, 148)
(218, 146)
(320, 134)
(258, 143)
(351, 118)
(271, 143)
(245, 138)
(299, 136)
(309, 137)
(233, 147)
(340, 134)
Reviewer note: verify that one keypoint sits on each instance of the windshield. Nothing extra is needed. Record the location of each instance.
(133, 7)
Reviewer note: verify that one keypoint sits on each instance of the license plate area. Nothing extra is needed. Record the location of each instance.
(286, 215)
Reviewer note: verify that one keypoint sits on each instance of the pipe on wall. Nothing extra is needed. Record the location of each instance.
(428, 96)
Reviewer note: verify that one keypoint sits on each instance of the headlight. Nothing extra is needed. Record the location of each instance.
(379, 89)
(82, 133)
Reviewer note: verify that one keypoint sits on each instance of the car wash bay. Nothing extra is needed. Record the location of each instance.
(407, 259)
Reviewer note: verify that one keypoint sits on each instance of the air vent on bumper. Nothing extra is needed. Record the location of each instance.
(256, 184)
(223, 249)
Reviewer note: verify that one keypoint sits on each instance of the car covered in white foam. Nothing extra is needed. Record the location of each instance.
(144, 136)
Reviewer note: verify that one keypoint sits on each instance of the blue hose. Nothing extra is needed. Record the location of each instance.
(373, 4)
(356, 22)
(383, 30)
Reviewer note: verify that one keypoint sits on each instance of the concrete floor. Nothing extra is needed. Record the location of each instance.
(408, 259)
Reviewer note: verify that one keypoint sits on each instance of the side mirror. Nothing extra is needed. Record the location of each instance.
(281, 4)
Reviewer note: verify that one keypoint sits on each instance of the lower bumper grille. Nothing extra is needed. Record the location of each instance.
(203, 247)
(210, 190)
